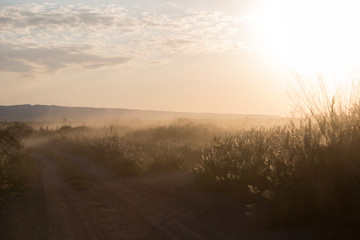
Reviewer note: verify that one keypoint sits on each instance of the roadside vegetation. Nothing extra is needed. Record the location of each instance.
(15, 166)
(303, 174)
(299, 174)
(176, 145)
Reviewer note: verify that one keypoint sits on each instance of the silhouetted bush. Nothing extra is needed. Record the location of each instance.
(14, 165)
(304, 174)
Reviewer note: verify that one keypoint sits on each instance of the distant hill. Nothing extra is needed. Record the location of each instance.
(32, 113)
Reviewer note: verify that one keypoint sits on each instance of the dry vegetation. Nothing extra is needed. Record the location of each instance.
(176, 145)
(303, 174)
(14, 165)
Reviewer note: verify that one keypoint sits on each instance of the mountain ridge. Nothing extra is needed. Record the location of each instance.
(51, 113)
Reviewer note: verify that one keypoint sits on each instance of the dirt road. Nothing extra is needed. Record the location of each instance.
(99, 205)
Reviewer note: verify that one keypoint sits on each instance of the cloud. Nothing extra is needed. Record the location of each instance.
(177, 43)
(51, 59)
(14, 65)
(53, 37)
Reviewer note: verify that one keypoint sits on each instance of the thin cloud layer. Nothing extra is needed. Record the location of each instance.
(50, 37)
(50, 59)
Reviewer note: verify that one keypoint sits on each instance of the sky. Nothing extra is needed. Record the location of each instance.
(229, 56)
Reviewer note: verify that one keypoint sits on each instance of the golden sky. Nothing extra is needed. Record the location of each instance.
(230, 56)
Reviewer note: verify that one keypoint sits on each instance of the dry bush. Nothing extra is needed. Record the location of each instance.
(305, 173)
(177, 145)
(14, 165)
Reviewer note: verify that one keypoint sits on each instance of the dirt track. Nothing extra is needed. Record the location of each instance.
(154, 206)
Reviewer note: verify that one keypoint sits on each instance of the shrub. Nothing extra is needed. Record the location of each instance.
(162, 148)
(307, 173)
(14, 166)
(235, 161)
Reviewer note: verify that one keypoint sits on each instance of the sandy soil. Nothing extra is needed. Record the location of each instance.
(153, 206)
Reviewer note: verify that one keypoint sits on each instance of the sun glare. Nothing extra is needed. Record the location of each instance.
(314, 36)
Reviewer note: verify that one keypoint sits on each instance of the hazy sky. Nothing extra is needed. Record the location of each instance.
(229, 56)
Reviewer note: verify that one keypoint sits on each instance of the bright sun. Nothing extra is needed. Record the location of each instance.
(315, 36)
